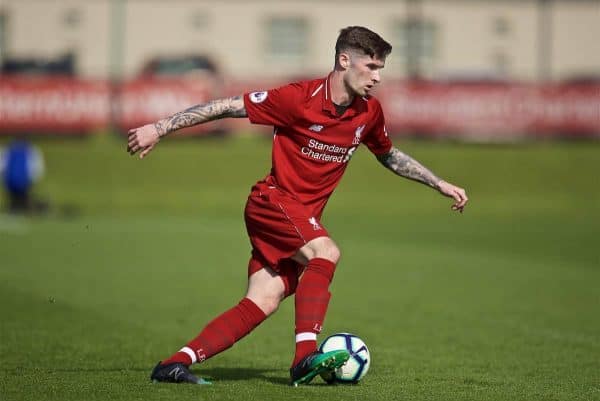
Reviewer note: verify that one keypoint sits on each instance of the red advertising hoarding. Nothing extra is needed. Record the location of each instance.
(52, 105)
(476, 111)
(491, 110)
(144, 101)
(75, 106)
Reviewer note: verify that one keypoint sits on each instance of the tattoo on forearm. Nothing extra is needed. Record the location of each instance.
(405, 166)
(201, 113)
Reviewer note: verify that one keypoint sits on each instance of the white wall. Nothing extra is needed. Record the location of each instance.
(36, 28)
(576, 40)
(233, 32)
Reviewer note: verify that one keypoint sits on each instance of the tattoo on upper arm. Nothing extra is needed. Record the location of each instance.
(201, 113)
(405, 166)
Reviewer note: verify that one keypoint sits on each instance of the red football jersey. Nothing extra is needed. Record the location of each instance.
(312, 145)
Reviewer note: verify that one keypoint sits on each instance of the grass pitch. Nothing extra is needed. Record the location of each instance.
(500, 303)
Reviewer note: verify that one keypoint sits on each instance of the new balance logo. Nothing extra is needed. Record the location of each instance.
(176, 372)
(315, 223)
(316, 128)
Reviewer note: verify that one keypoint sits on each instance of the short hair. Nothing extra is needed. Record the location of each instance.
(362, 39)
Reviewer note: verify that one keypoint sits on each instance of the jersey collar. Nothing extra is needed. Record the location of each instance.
(358, 105)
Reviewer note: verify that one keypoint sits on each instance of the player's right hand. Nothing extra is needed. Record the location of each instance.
(142, 139)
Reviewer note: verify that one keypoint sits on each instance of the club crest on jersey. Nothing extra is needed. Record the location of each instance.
(315, 128)
(258, 97)
(315, 223)
(357, 135)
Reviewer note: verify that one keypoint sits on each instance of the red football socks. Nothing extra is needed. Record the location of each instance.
(312, 299)
(221, 333)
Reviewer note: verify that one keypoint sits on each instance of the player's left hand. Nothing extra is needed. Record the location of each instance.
(452, 191)
(142, 139)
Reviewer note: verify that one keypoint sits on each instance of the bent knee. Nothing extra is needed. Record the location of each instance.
(323, 248)
(268, 305)
(266, 289)
(331, 253)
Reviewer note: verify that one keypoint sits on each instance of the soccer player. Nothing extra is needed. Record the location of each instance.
(318, 125)
(21, 166)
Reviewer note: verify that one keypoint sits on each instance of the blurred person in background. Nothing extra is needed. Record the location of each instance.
(21, 166)
(318, 126)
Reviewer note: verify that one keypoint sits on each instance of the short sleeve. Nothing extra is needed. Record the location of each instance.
(275, 107)
(377, 139)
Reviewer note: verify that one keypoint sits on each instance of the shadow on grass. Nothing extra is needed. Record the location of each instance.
(75, 369)
(218, 374)
(225, 373)
(274, 376)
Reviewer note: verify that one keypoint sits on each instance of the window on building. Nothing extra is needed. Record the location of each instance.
(287, 38)
(501, 26)
(3, 39)
(416, 42)
(71, 18)
(501, 63)
(199, 20)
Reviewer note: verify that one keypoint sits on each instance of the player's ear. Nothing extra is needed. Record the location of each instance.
(344, 60)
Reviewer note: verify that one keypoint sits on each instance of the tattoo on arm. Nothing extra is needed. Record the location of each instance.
(405, 166)
(201, 113)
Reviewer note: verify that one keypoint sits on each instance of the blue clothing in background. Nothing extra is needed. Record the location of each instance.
(21, 165)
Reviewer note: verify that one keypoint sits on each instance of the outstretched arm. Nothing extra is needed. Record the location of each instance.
(405, 166)
(145, 138)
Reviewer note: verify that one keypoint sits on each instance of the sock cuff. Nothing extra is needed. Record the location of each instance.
(252, 310)
(306, 336)
(190, 353)
(322, 266)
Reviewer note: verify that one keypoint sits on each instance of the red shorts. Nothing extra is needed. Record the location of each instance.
(278, 225)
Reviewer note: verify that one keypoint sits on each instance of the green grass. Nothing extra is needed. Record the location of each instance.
(500, 303)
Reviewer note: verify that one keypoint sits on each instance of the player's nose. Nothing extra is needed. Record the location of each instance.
(375, 77)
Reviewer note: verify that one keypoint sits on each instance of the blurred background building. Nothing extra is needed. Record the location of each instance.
(524, 40)
(474, 68)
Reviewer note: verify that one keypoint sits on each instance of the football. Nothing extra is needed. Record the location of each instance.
(357, 366)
